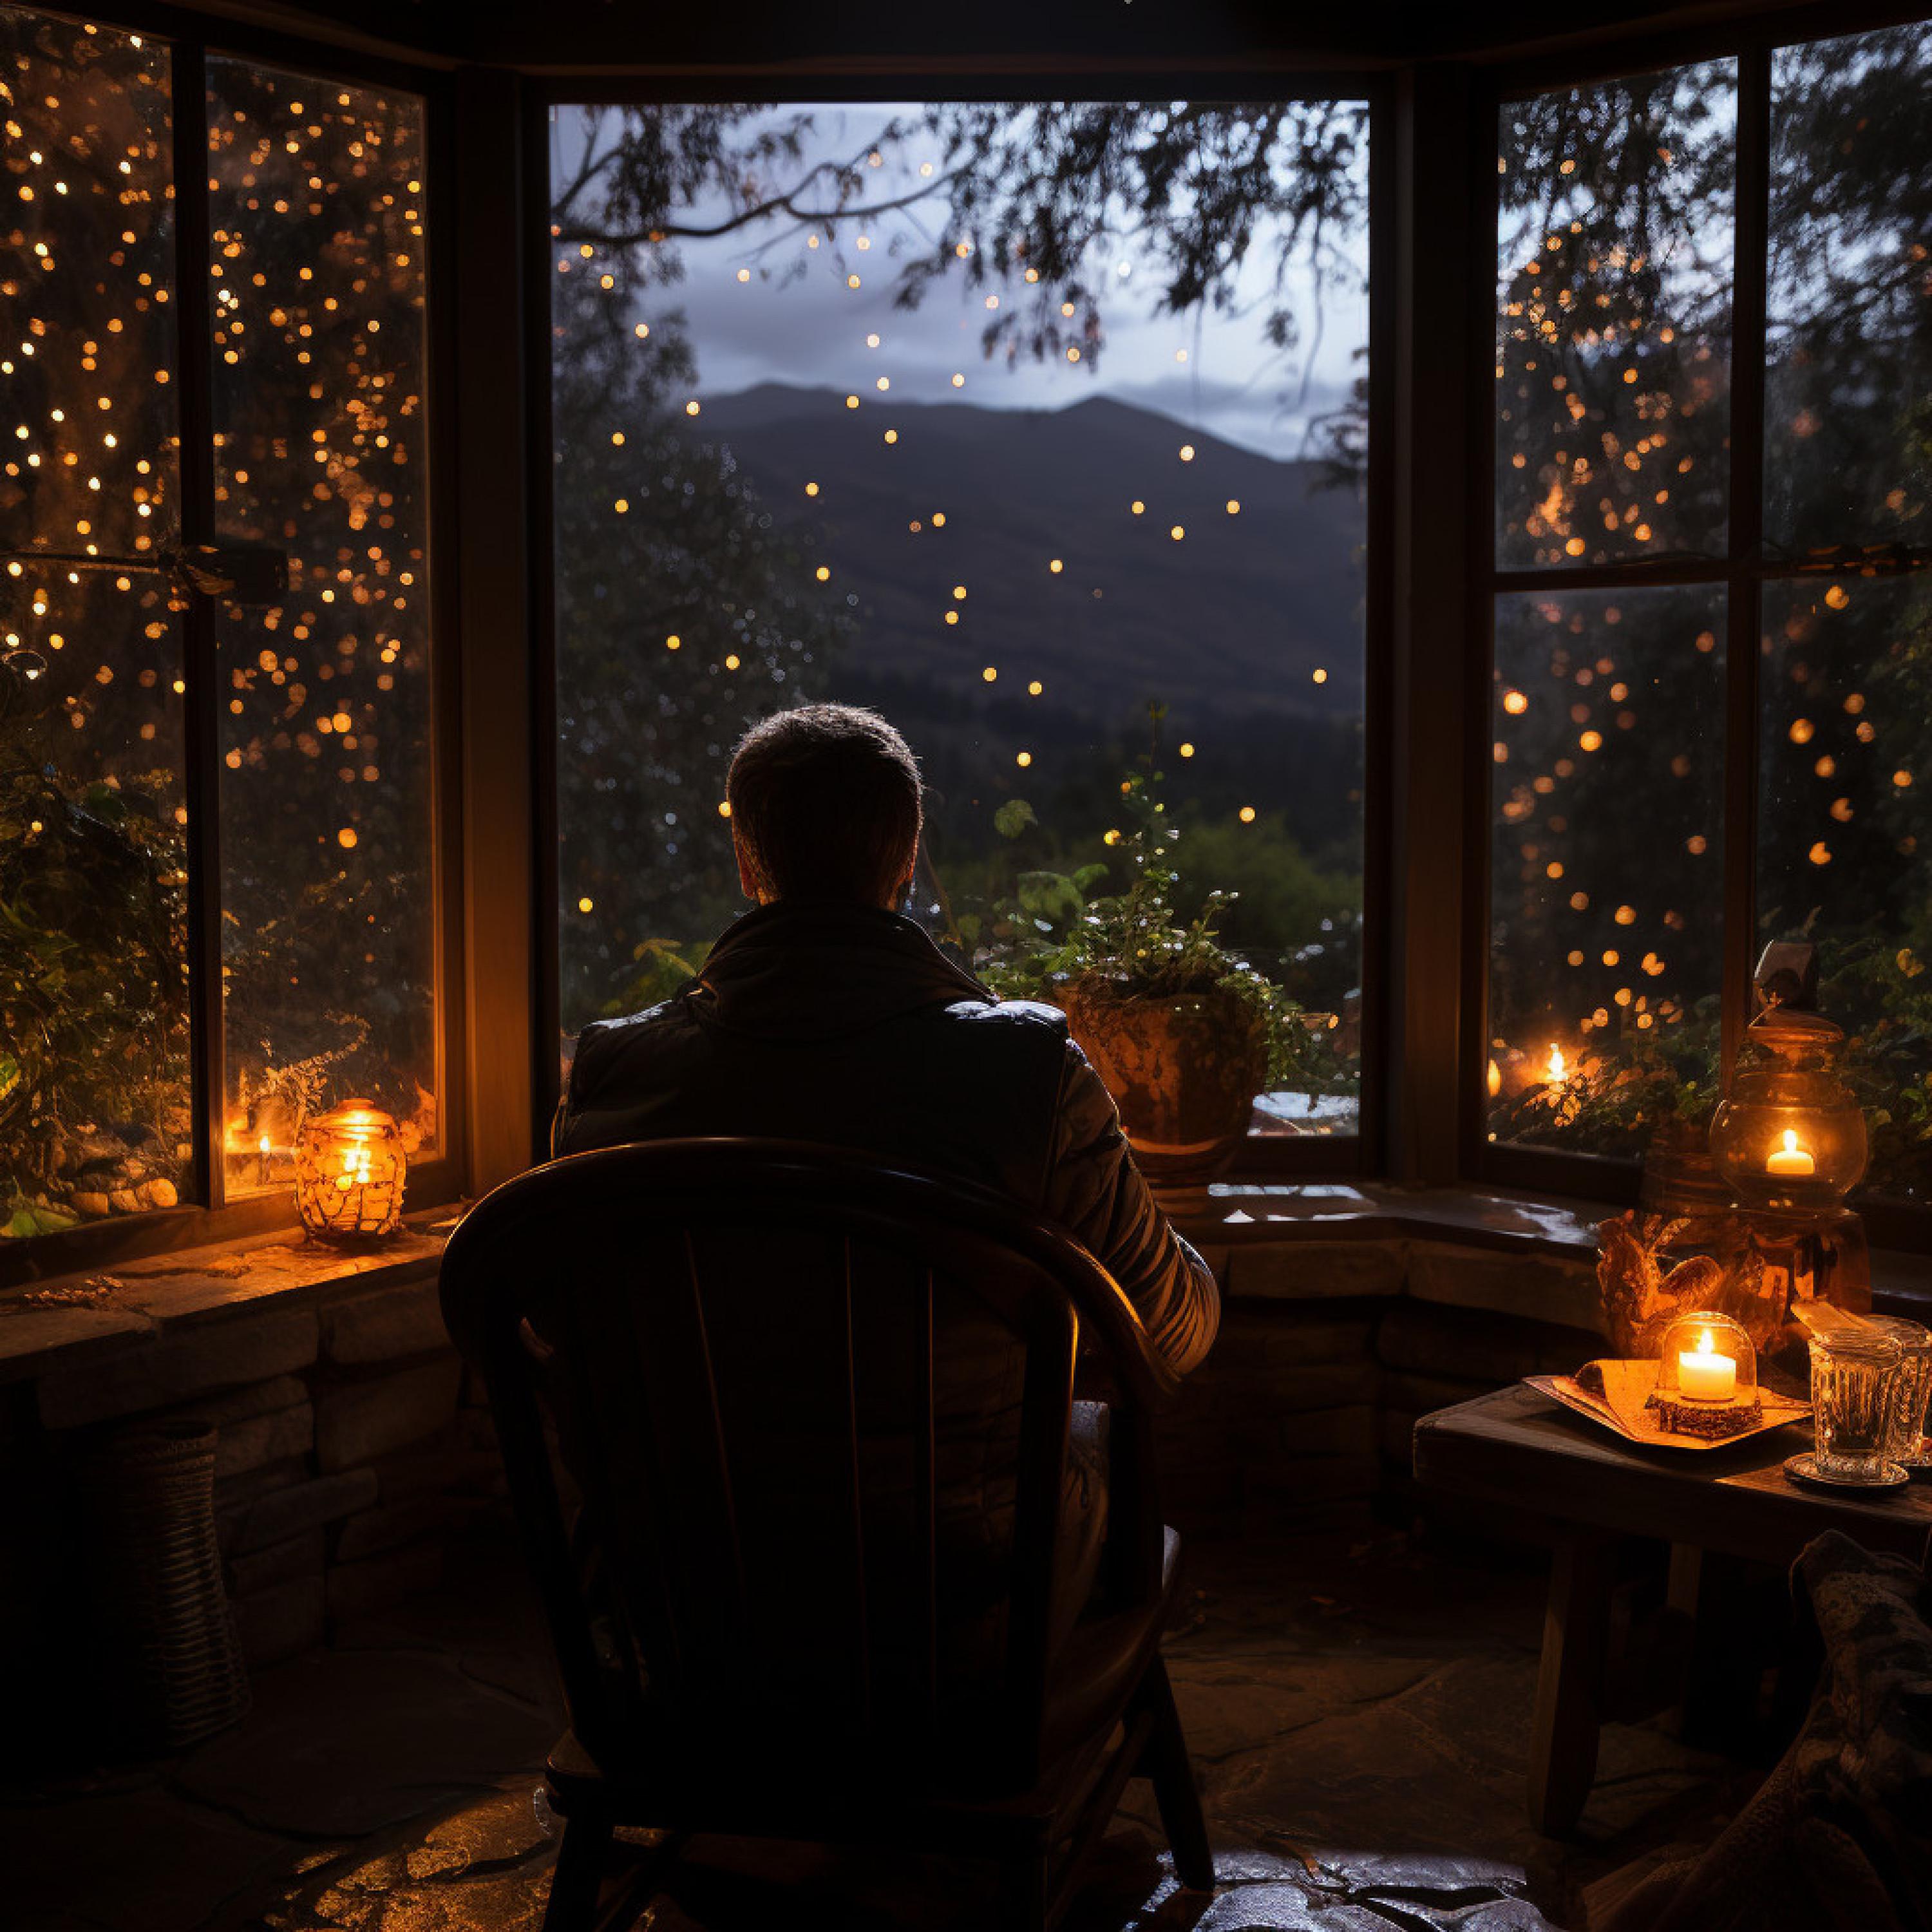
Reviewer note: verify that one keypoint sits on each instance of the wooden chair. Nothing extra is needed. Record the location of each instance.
(735, 1341)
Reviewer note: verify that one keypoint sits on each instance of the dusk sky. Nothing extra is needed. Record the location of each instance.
(796, 320)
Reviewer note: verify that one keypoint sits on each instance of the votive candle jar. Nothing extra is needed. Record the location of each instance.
(350, 1166)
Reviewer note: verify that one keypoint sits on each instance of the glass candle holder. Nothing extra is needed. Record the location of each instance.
(1854, 1378)
(350, 1166)
(1707, 1358)
(1912, 1389)
(1790, 1133)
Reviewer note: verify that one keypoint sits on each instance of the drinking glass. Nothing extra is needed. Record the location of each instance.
(1912, 1389)
(1853, 1379)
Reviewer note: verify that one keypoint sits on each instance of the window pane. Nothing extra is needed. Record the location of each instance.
(1606, 884)
(328, 888)
(1845, 845)
(86, 269)
(94, 1062)
(878, 456)
(1848, 424)
(1613, 343)
(94, 1080)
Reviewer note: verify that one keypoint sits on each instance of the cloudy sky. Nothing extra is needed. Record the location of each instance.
(796, 318)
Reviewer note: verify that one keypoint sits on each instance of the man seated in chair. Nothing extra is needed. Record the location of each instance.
(825, 1015)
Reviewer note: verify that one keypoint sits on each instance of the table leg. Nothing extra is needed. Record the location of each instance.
(1728, 1655)
(1563, 1736)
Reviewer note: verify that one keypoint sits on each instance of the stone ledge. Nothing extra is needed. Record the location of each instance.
(101, 1320)
(1308, 1242)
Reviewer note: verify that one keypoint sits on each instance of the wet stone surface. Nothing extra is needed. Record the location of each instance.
(1358, 1707)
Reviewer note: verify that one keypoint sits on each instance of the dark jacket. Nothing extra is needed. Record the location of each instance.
(844, 1024)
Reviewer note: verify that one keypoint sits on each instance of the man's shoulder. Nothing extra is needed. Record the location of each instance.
(604, 1044)
(1029, 1024)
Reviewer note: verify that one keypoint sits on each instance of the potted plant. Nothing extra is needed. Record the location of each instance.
(1183, 1032)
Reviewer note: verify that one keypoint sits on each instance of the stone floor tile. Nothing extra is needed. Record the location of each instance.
(1358, 1705)
(127, 1861)
(483, 1618)
(345, 1742)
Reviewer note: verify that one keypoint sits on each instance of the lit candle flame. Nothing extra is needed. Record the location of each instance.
(1705, 1344)
(262, 1145)
(1558, 1068)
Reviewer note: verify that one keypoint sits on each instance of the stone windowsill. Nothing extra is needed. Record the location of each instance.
(1265, 1239)
(72, 1321)
(1316, 1240)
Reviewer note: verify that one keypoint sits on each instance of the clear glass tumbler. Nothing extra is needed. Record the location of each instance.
(1912, 1389)
(1854, 1377)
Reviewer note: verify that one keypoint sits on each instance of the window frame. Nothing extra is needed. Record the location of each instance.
(1742, 571)
(192, 40)
(1264, 1156)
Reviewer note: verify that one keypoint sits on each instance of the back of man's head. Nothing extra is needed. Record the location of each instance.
(825, 805)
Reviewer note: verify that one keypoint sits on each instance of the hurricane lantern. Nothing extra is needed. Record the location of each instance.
(350, 1165)
(1790, 1133)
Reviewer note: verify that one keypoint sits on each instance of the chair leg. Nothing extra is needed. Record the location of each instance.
(578, 1874)
(1166, 1761)
(1023, 1895)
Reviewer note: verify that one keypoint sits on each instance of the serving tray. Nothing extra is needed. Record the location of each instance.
(1620, 1409)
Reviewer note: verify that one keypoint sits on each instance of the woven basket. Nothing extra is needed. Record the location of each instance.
(172, 1661)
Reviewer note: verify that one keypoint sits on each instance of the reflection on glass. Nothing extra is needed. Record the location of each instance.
(1848, 386)
(93, 1065)
(1606, 863)
(86, 274)
(328, 860)
(1613, 343)
(881, 457)
(1845, 835)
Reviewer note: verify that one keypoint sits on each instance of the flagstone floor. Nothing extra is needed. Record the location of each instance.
(1357, 1703)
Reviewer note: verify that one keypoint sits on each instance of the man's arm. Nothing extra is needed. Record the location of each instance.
(1094, 1189)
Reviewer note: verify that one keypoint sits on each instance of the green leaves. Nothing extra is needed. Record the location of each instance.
(1013, 817)
(1052, 934)
(1050, 898)
(664, 966)
(31, 1218)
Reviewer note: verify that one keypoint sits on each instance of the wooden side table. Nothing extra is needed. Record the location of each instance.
(1519, 1450)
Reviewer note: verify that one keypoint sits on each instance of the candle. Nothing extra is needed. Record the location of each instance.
(1791, 1159)
(1703, 1375)
(1557, 1069)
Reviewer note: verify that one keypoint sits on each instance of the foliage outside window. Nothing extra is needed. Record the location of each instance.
(313, 257)
(1039, 428)
(1616, 401)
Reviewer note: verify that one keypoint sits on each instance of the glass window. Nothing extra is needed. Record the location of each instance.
(314, 257)
(1069, 488)
(1613, 344)
(327, 886)
(1845, 835)
(1607, 863)
(1848, 380)
(94, 1075)
(1844, 843)
(1607, 873)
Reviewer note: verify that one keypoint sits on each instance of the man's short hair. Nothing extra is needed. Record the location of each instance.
(825, 801)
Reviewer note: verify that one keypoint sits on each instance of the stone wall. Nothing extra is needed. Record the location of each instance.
(1327, 1354)
(353, 1450)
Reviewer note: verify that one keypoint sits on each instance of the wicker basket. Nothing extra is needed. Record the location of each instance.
(172, 1661)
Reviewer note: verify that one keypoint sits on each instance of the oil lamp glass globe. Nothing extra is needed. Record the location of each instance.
(1790, 1133)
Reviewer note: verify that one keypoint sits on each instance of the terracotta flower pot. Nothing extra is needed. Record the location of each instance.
(1183, 1069)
